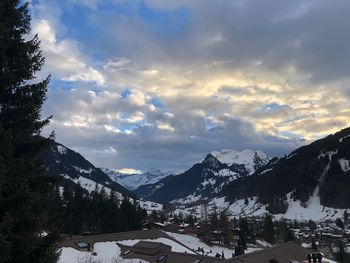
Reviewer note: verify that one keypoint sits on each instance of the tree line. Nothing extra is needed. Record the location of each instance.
(99, 212)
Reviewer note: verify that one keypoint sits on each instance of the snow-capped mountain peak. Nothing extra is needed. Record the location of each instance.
(211, 161)
(206, 178)
(252, 160)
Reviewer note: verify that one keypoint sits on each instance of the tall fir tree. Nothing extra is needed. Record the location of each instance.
(24, 190)
(268, 231)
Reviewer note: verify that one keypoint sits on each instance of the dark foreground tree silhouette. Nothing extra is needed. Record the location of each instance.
(26, 235)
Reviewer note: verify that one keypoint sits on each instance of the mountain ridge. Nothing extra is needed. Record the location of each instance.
(206, 178)
(133, 181)
(318, 169)
(72, 169)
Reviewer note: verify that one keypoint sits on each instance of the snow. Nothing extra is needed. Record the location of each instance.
(195, 243)
(246, 157)
(263, 243)
(344, 164)
(236, 209)
(206, 182)
(150, 206)
(306, 245)
(252, 208)
(106, 252)
(61, 149)
(343, 138)
(311, 210)
(90, 185)
(133, 181)
(175, 247)
(188, 199)
(84, 171)
(329, 260)
(61, 190)
(265, 171)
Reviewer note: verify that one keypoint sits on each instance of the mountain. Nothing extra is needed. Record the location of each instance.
(73, 168)
(133, 181)
(145, 191)
(251, 160)
(314, 178)
(207, 178)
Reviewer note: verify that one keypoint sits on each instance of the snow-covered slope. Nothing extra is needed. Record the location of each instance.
(312, 182)
(252, 207)
(133, 181)
(74, 169)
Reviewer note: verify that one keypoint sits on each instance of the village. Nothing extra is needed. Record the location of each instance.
(249, 234)
(218, 238)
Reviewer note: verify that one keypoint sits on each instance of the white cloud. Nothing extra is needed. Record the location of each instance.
(137, 117)
(235, 74)
(129, 171)
(165, 126)
(63, 58)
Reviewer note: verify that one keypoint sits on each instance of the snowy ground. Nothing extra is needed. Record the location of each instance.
(107, 252)
(150, 206)
(195, 243)
(313, 210)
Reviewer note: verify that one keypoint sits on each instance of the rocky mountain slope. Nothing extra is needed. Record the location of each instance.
(207, 178)
(74, 168)
(147, 190)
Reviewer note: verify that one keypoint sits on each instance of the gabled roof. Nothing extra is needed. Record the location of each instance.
(282, 253)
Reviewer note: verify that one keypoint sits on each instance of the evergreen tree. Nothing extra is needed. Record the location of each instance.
(23, 188)
(244, 226)
(346, 216)
(268, 232)
(312, 225)
(285, 233)
(313, 244)
(341, 253)
(339, 223)
(214, 222)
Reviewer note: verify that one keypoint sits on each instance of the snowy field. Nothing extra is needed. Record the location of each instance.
(107, 252)
(150, 206)
(195, 243)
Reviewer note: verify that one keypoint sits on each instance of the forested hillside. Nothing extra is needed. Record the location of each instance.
(319, 168)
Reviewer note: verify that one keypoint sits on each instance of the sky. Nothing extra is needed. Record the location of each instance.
(146, 84)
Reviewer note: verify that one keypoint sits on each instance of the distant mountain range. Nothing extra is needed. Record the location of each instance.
(133, 181)
(312, 182)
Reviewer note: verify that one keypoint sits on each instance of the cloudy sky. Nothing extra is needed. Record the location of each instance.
(160, 83)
